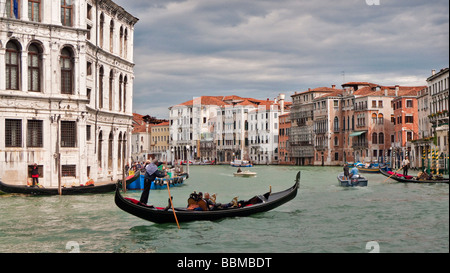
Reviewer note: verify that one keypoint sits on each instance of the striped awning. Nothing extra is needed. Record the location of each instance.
(358, 133)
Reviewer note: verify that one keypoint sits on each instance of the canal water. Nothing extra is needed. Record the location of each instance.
(385, 217)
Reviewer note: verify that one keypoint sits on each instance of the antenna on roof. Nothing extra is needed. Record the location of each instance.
(343, 76)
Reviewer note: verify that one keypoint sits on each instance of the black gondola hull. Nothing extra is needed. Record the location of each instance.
(184, 215)
(21, 189)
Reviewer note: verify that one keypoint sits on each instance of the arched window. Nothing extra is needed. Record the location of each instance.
(121, 41)
(34, 68)
(336, 124)
(125, 81)
(125, 46)
(111, 36)
(124, 148)
(120, 91)
(380, 118)
(119, 153)
(374, 118)
(12, 65)
(374, 138)
(380, 138)
(100, 87)
(99, 153)
(66, 63)
(111, 84)
(102, 24)
(110, 150)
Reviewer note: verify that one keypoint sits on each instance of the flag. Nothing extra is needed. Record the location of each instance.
(16, 9)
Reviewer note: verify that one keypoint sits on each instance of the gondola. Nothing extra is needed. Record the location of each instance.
(259, 203)
(408, 179)
(360, 181)
(24, 189)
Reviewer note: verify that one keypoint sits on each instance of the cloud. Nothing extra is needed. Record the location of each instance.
(259, 48)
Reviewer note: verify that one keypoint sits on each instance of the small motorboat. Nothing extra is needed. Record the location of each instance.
(355, 181)
(245, 173)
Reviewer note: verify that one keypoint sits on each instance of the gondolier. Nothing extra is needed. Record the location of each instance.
(151, 172)
(405, 165)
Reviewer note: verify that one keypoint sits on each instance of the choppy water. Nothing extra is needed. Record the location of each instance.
(322, 218)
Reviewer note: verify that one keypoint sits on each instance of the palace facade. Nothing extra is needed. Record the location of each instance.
(66, 90)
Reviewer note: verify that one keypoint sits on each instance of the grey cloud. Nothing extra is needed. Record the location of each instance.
(217, 47)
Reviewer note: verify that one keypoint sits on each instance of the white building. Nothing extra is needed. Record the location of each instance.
(66, 85)
(263, 134)
(220, 124)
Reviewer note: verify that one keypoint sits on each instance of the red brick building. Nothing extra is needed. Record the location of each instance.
(284, 155)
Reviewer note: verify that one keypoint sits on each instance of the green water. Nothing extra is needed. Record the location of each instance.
(322, 218)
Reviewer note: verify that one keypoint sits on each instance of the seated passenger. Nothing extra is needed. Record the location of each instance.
(210, 203)
(354, 173)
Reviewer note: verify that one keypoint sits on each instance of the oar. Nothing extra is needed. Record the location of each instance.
(392, 174)
(171, 203)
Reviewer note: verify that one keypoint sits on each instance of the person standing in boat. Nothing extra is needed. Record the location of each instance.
(151, 172)
(405, 165)
(346, 172)
(35, 175)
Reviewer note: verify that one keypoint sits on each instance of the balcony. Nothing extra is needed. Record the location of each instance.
(360, 145)
(438, 119)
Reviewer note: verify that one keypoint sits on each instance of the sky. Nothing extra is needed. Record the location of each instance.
(260, 48)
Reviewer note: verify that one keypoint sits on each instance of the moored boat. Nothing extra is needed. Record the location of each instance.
(359, 181)
(368, 170)
(241, 163)
(386, 171)
(159, 183)
(257, 204)
(35, 190)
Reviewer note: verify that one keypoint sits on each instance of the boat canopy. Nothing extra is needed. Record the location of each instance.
(358, 133)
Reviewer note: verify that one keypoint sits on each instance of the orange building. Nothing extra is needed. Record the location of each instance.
(406, 124)
(284, 155)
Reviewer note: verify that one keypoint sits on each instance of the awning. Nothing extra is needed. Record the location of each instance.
(357, 133)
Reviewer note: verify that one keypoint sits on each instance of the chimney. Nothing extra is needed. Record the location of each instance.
(333, 86)
(433, 71)
(281, 99)
(386, 92)
(396, 90)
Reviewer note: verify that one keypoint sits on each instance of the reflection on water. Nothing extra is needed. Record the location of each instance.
(324, 217)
